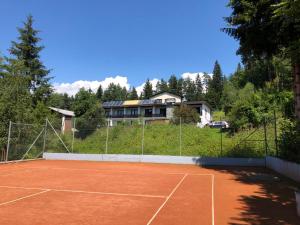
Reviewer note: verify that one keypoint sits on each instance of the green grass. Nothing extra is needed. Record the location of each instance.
(161, 139)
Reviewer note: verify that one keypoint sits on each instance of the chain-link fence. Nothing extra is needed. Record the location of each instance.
(142, 136)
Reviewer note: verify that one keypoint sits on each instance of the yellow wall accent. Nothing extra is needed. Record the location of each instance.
(131, 102)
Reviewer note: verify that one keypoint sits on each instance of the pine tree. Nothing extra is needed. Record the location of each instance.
(133, 94)
(26, 52)
(189, 89)
(99, 93)
(114, 93)
(124, 93)
(162, 86)
(215, 87)
(199, 88)
(173, 84)
(179, 91)
(147, 91)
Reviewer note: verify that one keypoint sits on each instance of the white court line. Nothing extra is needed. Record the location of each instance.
(28, 196)
(213, 199)
(88, 192)
(153, 217)
(105, 170)
(120, 171)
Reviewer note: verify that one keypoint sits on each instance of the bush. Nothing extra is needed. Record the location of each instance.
(289, 143)
(186, 113)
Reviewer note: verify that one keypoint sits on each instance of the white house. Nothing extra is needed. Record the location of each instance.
(159, 107)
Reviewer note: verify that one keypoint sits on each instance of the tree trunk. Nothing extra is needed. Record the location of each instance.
(297, 89)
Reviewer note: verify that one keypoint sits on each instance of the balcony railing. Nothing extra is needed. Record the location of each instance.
(135, 115)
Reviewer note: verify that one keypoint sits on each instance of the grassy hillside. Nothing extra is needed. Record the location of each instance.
(165, 140)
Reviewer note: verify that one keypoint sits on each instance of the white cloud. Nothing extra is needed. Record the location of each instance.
(73, 88)
(139, 89)
(193, 76)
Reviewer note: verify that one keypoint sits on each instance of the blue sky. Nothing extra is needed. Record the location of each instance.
(137, 39)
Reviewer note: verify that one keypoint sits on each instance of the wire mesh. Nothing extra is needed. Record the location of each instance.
(25, 141)
(141, 136)
(125, 137)
(161, 138)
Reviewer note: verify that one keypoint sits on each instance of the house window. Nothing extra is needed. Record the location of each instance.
(199, 110)
(133, 112)
(170, 100)
(120, 112)
(158, 101)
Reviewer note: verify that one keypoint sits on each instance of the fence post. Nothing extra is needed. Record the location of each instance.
(143, 135)
(221, 153)
(73, 134)
(275, 133)
(8, 141)
(180, 136)
(106, 142)
(266, 141)
(45, 136)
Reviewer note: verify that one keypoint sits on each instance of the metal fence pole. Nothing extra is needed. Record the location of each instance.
(221, 153)
(73, 134)
(180, 136)
(275, 133)
(8, 141)
(143, 135)
(45, 136)
(265, 135)
(106, 144)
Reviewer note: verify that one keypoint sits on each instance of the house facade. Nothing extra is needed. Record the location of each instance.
(159, 108)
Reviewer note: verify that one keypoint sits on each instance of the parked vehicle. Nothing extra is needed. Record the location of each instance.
(219, 124)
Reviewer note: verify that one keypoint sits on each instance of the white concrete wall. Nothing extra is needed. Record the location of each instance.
(205, 161)
(165, 96)
(206, 115)
(288, 169)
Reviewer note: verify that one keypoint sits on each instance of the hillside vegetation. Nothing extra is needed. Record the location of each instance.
(165, 140)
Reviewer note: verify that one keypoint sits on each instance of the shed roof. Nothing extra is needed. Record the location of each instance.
(63, 111)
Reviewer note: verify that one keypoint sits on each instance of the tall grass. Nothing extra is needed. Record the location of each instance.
(164, 139)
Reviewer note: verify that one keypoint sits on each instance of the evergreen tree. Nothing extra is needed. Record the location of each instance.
(99, 93)
(189, 89)
(162, 86)
(266, 28)
(179, 91)
(124, 93)
(205, 81)
(88, 111)
(147, 90)
(215, 87)
(133, 94)
(199, 88)
(26, 52)
(238, 78)
(173, 85)
(114, 92)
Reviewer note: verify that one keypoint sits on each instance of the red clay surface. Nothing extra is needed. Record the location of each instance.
(79, 192)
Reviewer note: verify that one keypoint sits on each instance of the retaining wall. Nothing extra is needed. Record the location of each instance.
(288, 169)
(204, 161)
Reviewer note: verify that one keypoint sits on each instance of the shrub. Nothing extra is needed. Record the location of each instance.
(186, 113)
(289, 142)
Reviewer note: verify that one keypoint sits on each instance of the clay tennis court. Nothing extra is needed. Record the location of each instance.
(81, 192)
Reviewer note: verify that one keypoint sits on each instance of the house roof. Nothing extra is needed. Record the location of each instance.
(165, 92)
(131, 102)
(197, 103)
(63, 111)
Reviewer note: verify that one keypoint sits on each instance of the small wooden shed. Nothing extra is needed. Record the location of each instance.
(66, 118)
